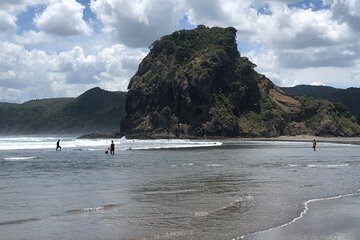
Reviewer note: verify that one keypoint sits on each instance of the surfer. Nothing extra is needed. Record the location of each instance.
(58, 145)
(314, 145)
(112, 147)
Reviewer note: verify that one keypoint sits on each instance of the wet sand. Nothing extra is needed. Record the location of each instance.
(334, 218)
(308, 138)
(322, 219)
(347, 140)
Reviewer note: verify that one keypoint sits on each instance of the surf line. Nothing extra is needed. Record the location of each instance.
(306, 208)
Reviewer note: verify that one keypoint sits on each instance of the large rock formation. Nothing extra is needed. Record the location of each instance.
(195, 83)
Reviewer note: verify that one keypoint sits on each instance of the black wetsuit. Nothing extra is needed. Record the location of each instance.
(58, 145)
(112, 148)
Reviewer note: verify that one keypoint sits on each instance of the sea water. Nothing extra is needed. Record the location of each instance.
(167, 189)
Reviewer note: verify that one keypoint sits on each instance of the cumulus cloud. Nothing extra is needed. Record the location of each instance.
(27, 73)
(337, 56)
(239, 14)
(137, 23)
(9, 9)
(300, 28)
(269, 64)
(348, 12)
(305, 39)
(7, 21)
(32, 37)
(63, 18)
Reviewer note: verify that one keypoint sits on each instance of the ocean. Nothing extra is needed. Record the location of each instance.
(177, 189)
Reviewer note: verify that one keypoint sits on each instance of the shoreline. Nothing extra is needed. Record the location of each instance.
(296, 224)
(304, 138)
(297, 138)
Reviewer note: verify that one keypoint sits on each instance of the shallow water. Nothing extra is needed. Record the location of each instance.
(160, 189)
(323, 219)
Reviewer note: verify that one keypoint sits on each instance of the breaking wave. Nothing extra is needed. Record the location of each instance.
(93, 209)
(321, 165)
(328, 165)
(17, 143)
(165, 144)
(20, 158)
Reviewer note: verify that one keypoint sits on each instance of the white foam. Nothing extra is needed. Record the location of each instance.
(94, 209)
(19, 158)
(294, 165)
(165, 144)
(213, 165)
(188, 164)
(17, 143)
(201, 214)
(327, 165)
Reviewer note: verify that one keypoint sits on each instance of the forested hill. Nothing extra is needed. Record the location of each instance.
(94, 110)
(350, 97)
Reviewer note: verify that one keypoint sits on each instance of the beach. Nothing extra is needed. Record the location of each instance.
(330, 218)
(322, 219)
(307, 138)
(345, 140)
(176, 189)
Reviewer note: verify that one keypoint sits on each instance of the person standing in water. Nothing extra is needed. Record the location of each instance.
(112, 147)
(58, 145)
(314, 145)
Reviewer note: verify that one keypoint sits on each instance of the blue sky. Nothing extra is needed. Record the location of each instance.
(55, 48)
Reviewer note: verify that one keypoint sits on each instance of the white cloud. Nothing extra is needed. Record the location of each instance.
(9, 9)
(37, 74)
(300, 28)
(336, 56)
(119, 65)
(270, 63)
(32, 38)
(330, 76)
(7, 21)
(64, 18)
(348, 12)
(137, 23)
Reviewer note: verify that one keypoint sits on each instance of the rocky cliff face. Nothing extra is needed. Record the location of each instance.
(195, 83)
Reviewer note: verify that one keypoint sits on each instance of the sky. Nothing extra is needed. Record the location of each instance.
(61, 48)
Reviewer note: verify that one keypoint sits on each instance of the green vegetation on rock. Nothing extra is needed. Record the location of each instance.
(328, 119)
(200, 78)
(349, 97)
(195, 83)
